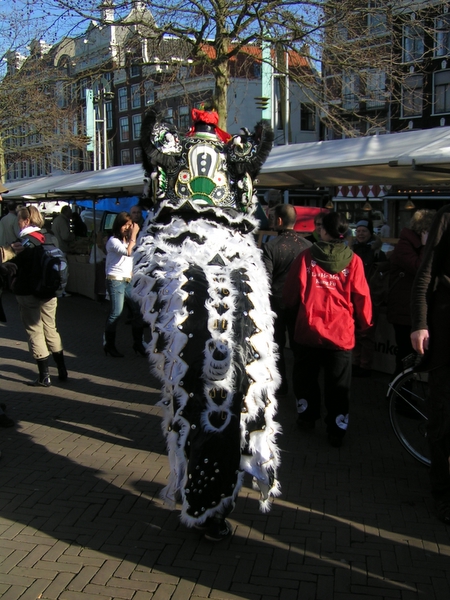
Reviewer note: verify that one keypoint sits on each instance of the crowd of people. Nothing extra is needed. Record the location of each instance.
(322, 300)
(21, 230)
(330, 288)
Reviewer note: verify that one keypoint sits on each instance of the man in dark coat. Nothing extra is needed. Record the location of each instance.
(430, 335)
(278, 255)
(404, 261)
(368, 247)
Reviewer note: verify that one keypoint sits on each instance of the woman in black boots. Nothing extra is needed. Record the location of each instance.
(119, 267)
(38, 314)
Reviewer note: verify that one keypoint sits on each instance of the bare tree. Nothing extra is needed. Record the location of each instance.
(38, 116)
(343, 53)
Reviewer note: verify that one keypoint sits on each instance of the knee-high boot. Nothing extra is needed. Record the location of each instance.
(44, 376)
(138, 346)
(109, 344)
(61, 365)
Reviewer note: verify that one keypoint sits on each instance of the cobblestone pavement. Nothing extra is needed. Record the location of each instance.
(81, 518)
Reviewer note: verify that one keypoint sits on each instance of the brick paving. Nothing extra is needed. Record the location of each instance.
(80, 476)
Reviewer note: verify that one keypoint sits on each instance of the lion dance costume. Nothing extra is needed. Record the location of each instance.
(203, 290)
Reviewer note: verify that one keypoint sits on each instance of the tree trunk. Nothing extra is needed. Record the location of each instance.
(221, 93)
(221, 73)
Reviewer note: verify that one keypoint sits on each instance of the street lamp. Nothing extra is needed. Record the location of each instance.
(367, 206)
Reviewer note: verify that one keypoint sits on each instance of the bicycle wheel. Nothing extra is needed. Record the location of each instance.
(408, 395)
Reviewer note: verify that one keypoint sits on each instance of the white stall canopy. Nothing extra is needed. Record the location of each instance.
(127, 180)
(409, 158)
(35, 189)
(115, 181)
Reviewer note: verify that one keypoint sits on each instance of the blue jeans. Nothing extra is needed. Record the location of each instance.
(119, 294)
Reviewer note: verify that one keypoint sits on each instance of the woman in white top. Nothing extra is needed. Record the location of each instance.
(119, 268)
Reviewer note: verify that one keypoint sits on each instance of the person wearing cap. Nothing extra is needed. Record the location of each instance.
(368, 247)
(9, 229)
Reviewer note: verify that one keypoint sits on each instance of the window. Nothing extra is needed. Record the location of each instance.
(149, 93)
(123, 99)
(168, 115)
(137, 155)
(376, 19)
(307, 117)
(413, 46)
(24, 168)
(74, 125)
(412, 96)
(341, 32)
(109, 114)
(184, 72)
(124, 129)
(354, 129)
(135, 96)
(83, 87)
(442, 33)
(59, 91)
(442, 92)
(350, 91)
(125, 157)
(183, 118)
(375, 89)
(135, 71)
(137, 120)
(73, 159)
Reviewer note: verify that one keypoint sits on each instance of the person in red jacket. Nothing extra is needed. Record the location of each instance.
(327, 287)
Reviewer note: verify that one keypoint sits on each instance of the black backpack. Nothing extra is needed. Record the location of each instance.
(50, 271)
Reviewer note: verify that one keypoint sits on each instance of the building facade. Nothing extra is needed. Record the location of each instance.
(123, 67)
(396, 79)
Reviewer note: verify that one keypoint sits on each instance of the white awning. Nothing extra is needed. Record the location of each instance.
(35, 188)
(115, 181)
(409, 158)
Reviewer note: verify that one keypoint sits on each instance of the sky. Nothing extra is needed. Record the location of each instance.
(50, 20)
(24, 20)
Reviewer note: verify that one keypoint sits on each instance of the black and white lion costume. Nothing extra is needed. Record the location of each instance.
(202, 288)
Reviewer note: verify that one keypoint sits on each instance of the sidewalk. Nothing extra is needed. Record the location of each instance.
(80, 476)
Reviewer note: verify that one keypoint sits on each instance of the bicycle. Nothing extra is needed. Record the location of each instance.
(407, 397)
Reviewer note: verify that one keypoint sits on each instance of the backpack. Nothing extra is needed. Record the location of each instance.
(50, 269)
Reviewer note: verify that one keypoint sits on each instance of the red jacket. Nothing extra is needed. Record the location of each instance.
(329, 304)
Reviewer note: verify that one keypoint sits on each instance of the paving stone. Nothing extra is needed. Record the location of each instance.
(81, 516)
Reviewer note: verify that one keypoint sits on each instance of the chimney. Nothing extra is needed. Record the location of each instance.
(107, 8)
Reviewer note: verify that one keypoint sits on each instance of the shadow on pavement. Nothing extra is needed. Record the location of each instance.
(81, 473)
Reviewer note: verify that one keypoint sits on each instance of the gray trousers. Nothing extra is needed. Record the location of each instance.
(39, 319)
